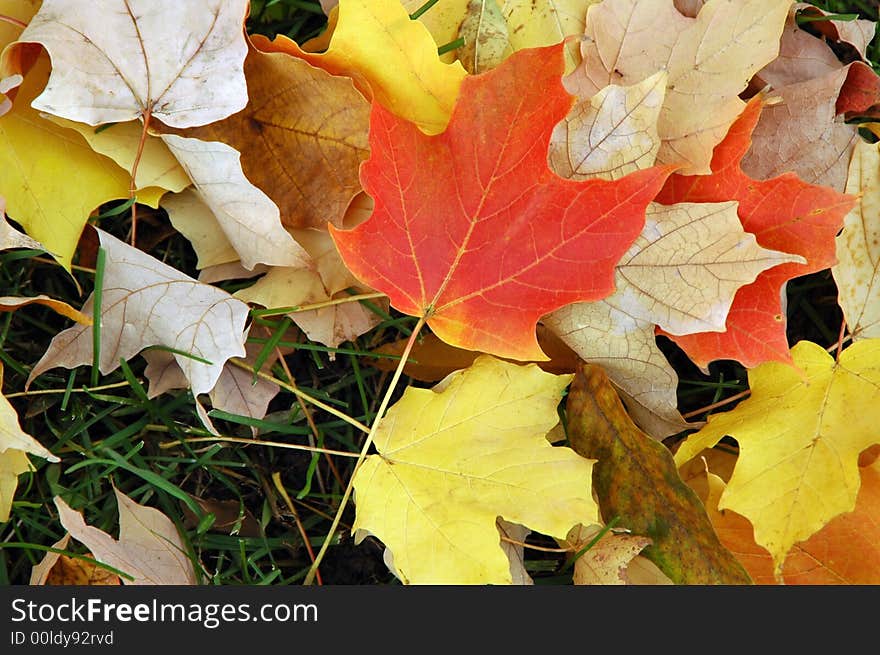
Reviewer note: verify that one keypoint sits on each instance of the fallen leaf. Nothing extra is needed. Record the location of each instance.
(58, 569)
(126, 63)
(516, 241)
(709, 61)
(231, 517)
(149, 548)
(681, 274)
(248, 217)
(12, 238)
(858, 33)
(157, 166)
(800, 433)
(636, 480)
(194, 219)
(147, 303)
(390, 58)
(11, 303)
(512, 536)
(14, 446)
(611, 134)
(432, 359)
(301, 137)
(802, 134)
(486, 37)
(845, 551)
(606, 561)
(454, 458)
(38, 159)
(784, 214)
(13, 67)
(857, 272)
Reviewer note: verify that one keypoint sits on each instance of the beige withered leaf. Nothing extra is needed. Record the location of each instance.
(127, 61)
(611, 134)
(147, 303)
(191, 216)
(249, 219)
(857, 272)
(681, 274)
(149, 548)
(58, 569)
(802, 133)
(709, 60)
(608, 561)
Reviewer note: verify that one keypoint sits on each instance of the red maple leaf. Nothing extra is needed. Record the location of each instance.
(473, 231)
(784, 213)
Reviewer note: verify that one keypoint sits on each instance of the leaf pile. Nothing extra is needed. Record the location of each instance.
(519, 201)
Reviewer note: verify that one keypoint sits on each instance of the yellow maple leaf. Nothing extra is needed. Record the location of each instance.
(800, 434)
(454, 458)
(391, 57)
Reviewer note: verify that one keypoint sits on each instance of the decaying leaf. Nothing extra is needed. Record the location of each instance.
(857, 272)
(490, 230)
(454, 458)
(607, 561)
(149, 548)
(799, 434)
(147, 303)
(125, 63)
(59, 569)
(636, 480)
(486, 37)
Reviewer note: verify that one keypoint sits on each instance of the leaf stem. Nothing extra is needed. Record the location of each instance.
(132, 186)
(720, 403)
(276, 311)
(386, 399)
(4, 18)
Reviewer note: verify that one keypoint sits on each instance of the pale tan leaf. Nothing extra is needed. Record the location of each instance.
(115, 60)
(512, 536)
(248, 217)
(230, 271)
(42, 570)
(149, 547)
(147, 303)
(709, 60)
(802, 57)
(11, 303)
(803, 134)
(611, 134)
(191, 216)
(682, 274)
(857, 272)
(606, 561)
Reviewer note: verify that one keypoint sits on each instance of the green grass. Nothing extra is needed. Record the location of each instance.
(108, 433)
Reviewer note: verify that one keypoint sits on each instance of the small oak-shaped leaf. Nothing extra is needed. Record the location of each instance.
(857, 272)
(149, 549)
(147, 303)
(800, 434)
(118, 60)
(709, 60)
(636, 480)
(453, 459)
(784, 214)
(472, 223)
